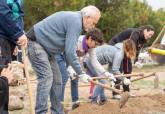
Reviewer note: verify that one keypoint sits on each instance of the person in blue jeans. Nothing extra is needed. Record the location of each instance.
(60, 58)
(56, 33)
(113, 56)
(85, 47)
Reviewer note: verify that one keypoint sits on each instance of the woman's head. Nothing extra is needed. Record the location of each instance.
(94, 37)
(130, 48)
(148, 31)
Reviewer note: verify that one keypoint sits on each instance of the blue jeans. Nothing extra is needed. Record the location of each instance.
(49, 79)
(98, 90)
(74, 83)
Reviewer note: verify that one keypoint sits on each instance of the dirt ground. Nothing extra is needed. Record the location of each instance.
(147, 100)
(146, 104)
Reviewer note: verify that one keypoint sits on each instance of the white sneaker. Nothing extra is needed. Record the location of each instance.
(118, 97)
(132, 95)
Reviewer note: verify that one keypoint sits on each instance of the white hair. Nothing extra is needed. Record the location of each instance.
(90, 10)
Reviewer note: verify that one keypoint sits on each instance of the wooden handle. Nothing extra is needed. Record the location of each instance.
(28, 80)
(106, 86)
(136, 79)
(149, 75)
(159, 36)
(118, 76)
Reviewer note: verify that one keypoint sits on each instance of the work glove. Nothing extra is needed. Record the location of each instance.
(111, 76)
(71, 72)
(112, 84)
(126, 81)
(139, 65)
(85, 78)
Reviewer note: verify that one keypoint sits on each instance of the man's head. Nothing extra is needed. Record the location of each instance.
(148, 31)
(129, 48)
(91, 16)
(94, 37)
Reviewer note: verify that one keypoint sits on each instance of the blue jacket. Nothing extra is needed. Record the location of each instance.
(11, 19)
(60, 32)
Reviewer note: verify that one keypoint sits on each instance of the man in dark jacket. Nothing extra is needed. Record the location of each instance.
(140, 36)
(5, 77)
(11, 34)
(11, 27)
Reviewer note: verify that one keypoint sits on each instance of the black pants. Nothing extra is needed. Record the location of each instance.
(4, 95)
(6, 49)
(126, 68)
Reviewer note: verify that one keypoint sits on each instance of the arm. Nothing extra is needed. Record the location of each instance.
(7, 22)
(95, 63)
(72, 35)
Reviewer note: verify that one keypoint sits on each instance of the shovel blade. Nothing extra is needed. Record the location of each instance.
(124, 99)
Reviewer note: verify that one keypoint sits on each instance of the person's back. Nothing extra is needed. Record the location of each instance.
(121, 36)
(55, 29)
(106, 53)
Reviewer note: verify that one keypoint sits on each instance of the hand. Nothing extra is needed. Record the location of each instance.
(112, 84)
(7, 72)
(85, 78)
(22, 41)
(126, 81)
(139, 65)
(71, 72)
(15, 51)
(110, 75)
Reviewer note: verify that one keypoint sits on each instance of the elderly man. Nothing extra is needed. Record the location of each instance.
(57, 33)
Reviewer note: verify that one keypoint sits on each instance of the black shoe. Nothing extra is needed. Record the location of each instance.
(75, 105)
(90, 97)
(102, 102)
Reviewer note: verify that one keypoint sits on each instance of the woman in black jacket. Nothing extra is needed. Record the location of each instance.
(5, 77)
(140, 36)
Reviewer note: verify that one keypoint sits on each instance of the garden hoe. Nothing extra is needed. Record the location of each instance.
(124, 95)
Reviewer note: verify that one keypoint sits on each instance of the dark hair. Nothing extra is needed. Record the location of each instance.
(148, 27)
(96, 35)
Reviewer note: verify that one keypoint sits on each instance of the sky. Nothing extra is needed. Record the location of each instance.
(156, 4)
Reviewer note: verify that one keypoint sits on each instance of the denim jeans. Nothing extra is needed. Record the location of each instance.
(74, 83)
(49, 79)
(98, 90)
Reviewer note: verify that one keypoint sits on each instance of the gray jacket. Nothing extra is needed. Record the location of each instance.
(59, 32)
(113, 55)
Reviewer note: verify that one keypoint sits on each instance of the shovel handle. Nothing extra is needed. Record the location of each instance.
(28, 80)
(118, 76)
(136, 79)
(106, 86)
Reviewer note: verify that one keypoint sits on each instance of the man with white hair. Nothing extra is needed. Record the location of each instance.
(58, 32)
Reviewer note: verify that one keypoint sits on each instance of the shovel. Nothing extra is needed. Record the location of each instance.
(124, 95)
